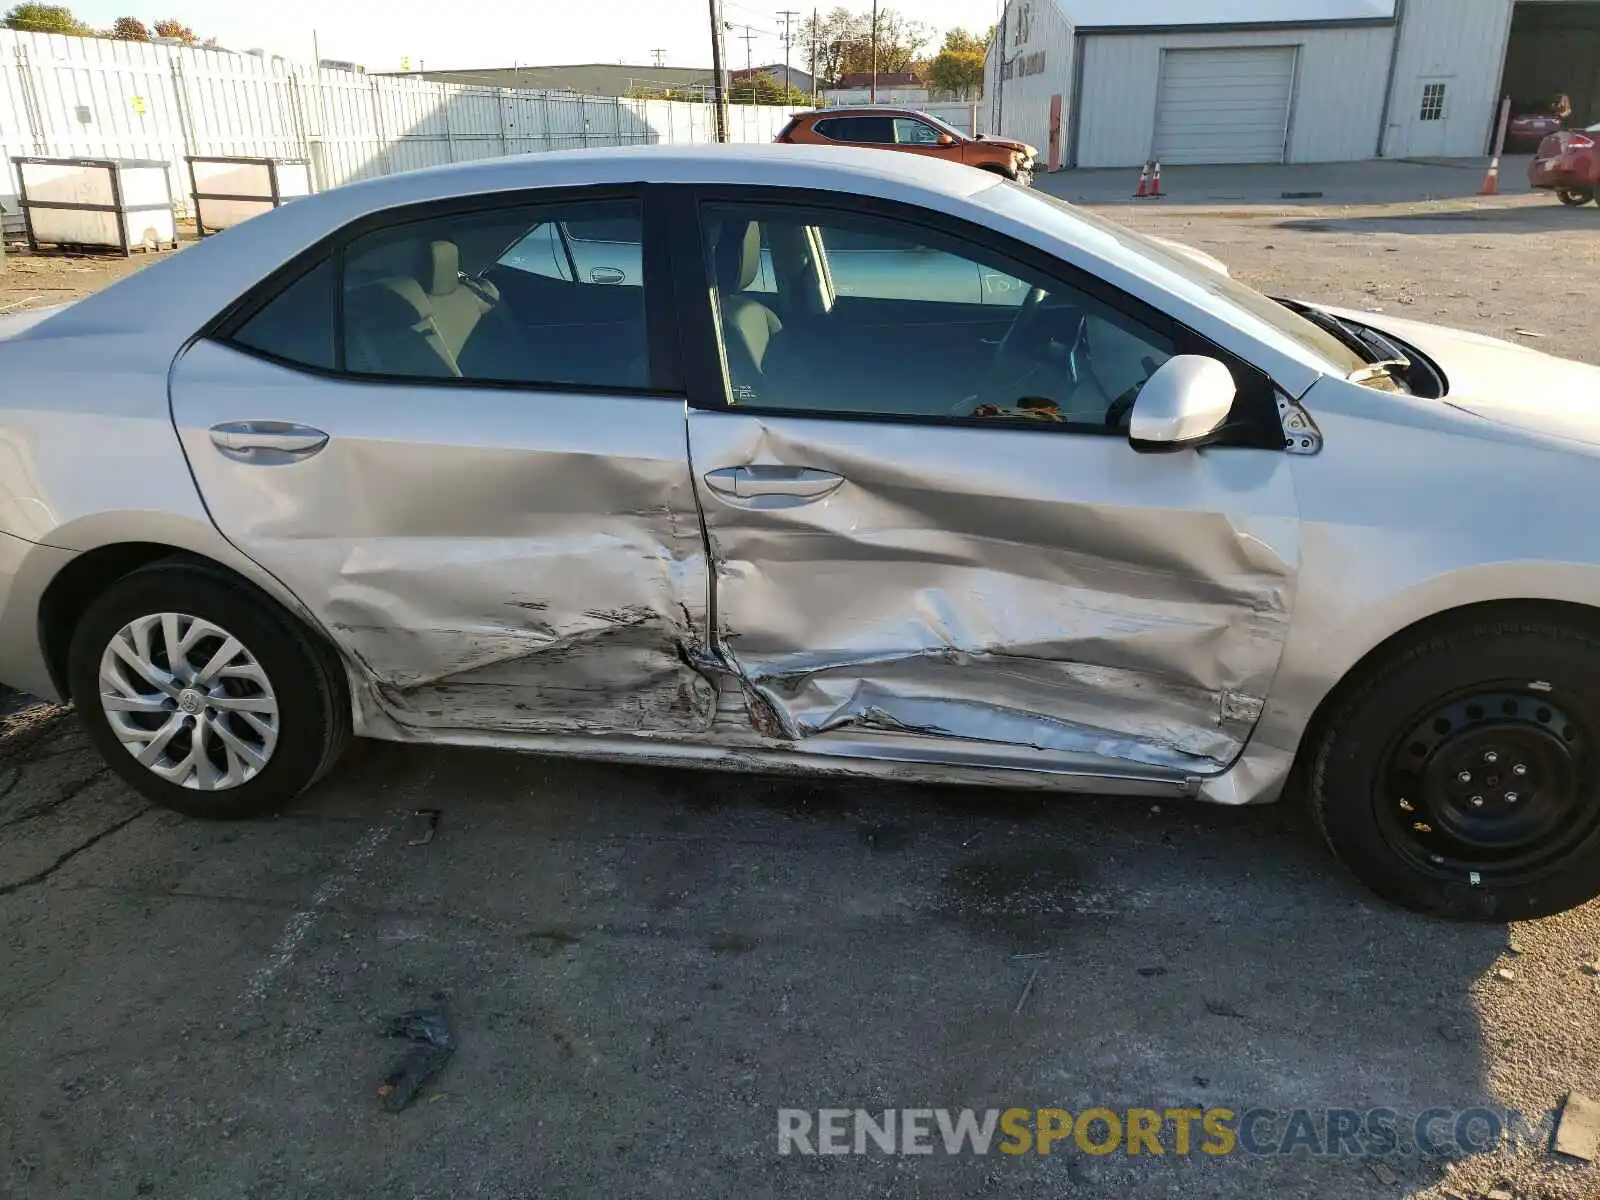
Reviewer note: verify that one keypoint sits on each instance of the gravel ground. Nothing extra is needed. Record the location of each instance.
(642, 966)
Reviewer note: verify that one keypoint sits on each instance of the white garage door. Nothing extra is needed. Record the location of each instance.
(1224, 106)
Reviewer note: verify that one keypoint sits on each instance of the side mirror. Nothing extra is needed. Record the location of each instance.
(1182, 405)
(946, 139)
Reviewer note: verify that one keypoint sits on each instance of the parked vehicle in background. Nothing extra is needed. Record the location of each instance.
(1568, 164)
(811, 460)
(913, 132)
(1527, 129)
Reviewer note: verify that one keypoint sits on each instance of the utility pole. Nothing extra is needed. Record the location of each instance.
(816, 33)
(1000, 74)
(787, 14)
(749, 36)
(874, 51)
(717, 69)
(658, 55)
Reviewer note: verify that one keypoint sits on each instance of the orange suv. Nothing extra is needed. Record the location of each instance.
(911, 131)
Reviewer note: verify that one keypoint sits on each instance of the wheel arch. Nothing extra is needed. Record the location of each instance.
(1565, 611)
(69, 594)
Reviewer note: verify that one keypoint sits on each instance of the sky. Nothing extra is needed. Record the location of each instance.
(483, 33)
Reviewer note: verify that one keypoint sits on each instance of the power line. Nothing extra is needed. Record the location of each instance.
(658, 55)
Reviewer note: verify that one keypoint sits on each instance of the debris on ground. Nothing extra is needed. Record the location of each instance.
(1382, 1173)
(1027, 990)
(1505, 973)
(1578, 1134)
(430, 1030)
(1500, 1192)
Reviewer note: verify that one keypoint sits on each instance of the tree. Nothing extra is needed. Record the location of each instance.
(45, 18)
(843, 42)
(958, 69)
(129, 29)
(171, 27)
(758, 87)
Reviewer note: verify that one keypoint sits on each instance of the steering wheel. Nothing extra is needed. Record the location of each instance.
(1009, 367)
(1015, 337)
(1117, 414)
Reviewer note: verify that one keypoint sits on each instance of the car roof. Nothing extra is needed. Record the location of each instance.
(865, 110)
(171, 299)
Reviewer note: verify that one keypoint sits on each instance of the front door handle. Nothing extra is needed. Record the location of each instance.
(267, 442)
(795, 485)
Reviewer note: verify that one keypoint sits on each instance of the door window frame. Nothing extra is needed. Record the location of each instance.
(1253, 423)
(666, 378)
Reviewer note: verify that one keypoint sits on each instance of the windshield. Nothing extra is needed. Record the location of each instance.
(1054, 216)
(941, 126)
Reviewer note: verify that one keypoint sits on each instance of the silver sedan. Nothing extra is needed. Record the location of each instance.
(811, 460)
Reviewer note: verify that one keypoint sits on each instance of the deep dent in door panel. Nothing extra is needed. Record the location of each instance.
(1152, 640)
(495, 573)
(547, 659)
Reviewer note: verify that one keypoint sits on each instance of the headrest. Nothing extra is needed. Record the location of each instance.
(445, 269)
(738, 258)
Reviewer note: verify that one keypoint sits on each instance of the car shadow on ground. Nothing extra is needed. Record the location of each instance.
(655, 961)
(1530, 218)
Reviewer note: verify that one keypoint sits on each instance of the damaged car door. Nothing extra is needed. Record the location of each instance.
(926, 518)
(460, 449)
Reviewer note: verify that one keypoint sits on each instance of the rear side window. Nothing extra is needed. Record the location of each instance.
(545, 295)
(297, 325)
(871, 130)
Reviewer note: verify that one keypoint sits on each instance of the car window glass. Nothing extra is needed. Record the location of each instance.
(911, 132)
(602, 251)
(296, 325)
(915, 323)
(518, 295)
(869, 130)
(872, 264)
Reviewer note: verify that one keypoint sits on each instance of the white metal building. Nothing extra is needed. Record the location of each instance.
(1115, 83)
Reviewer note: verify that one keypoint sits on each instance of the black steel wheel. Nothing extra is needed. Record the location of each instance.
(1574, 197)
(1461, 775)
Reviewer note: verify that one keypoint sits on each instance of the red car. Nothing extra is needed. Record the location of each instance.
(1568, 164)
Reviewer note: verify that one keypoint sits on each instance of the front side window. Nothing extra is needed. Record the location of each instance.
(911, 132)
(536, 295)
(874, 316)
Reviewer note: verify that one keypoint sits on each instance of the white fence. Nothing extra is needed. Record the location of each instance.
(70, 97)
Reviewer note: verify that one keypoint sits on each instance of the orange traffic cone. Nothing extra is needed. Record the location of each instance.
(1155, 182)
(1144, 182)
(1491, 181)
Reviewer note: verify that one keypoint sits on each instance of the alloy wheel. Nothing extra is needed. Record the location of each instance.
(189, 701)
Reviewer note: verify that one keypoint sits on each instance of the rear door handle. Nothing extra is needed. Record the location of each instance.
(795, 485)
(267, 442)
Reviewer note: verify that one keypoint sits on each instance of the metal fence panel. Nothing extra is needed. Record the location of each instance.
(72, 97)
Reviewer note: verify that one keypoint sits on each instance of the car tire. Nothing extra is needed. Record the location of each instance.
(272, 718)
(1574, 197)
(1461, 775)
